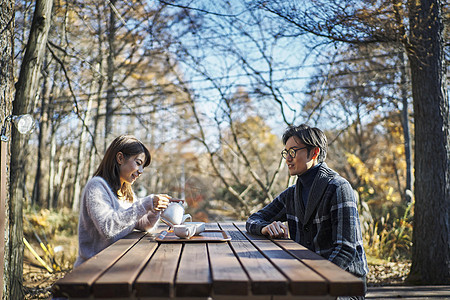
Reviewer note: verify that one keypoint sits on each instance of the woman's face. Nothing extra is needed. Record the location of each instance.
(301, 162)
(130, 169)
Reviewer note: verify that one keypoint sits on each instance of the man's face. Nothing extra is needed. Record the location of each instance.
(301, 162)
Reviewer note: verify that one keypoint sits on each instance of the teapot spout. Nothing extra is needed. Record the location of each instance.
(167, 223)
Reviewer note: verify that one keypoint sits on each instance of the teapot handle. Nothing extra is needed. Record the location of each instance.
(176, 200)
(186, 216)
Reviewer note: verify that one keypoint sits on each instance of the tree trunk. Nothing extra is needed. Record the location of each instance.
(431, 235)
(6, 90)
(81, 158)
(40, 190)
(110, 73)
(100, 84)
(52, 187)
(408, 192)
(26, 89)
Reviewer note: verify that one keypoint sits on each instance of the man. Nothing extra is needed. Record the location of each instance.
(320, 209)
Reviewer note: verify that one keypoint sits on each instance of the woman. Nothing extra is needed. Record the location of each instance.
(109, 209)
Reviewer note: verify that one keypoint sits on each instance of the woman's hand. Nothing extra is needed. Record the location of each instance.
(160, 201)
(275, 230)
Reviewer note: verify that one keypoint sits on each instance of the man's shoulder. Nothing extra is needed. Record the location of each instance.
(287, 193)
(290, 189)
(334, 178)
(339, 180)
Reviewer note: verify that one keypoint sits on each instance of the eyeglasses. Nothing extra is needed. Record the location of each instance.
(292, 152)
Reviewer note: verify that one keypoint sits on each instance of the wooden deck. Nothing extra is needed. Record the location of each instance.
(409, 292)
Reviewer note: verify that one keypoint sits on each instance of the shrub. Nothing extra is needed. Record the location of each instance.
(53, 236)
(390, 239)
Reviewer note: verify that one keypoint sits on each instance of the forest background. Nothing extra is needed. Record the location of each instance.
(210, 86)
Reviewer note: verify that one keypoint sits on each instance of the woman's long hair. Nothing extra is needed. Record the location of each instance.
(109, 168)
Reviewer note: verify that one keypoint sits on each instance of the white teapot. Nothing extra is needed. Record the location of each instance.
(174, 214)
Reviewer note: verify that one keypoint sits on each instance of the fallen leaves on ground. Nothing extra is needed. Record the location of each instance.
(37, 282)
(388, 273)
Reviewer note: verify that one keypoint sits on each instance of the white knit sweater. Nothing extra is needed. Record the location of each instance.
(104, 218)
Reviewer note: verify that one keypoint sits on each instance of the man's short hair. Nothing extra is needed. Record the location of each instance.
(312, 137)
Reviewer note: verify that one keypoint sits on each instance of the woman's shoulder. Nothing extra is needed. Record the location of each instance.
(97, 188)
(96, 182)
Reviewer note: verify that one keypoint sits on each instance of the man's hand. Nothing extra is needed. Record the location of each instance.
(275, 230)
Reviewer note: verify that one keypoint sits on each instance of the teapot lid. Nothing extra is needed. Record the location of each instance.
(181, 202)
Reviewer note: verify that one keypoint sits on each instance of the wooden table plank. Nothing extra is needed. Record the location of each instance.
(303, 280)
(78, 282)
(341, 283)
(265, 278)
(118, 280)
(193, 278)
(212, 226)
(156, 279)
(226, 271)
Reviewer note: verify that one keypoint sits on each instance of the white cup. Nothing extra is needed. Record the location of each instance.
(199, 226)
(184, 231)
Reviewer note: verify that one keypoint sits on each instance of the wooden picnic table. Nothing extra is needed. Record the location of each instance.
(245, 266)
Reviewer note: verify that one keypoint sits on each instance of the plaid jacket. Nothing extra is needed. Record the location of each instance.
(329, 225)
